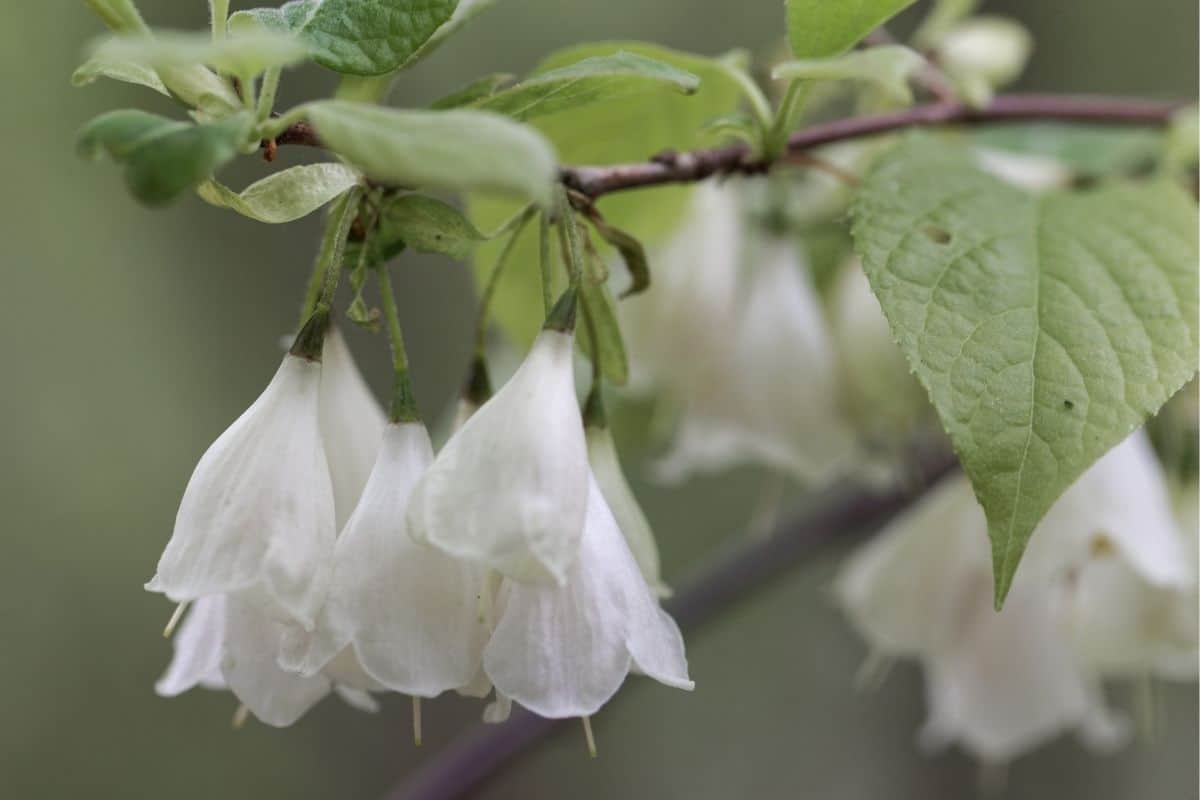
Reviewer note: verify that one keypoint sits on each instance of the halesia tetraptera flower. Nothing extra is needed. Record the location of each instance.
(563, 651)
(231, 642)
(509, 489)
(259, 507)
(765, 388)
(1107, 590)
(406, 612)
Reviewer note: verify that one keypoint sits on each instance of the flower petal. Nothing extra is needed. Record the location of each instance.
(1121, 500)
(1010, 682)
(409, 611)
(197, 643)
(564, 651)
(937, 545)
(259, 506)
(351, 424)
(606, 467)
(252, 634)
(509, 489)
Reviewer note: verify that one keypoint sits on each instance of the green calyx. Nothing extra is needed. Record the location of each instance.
(479, 384)
(311, 339)
(562, 317)
(403, 406)
(594, 415)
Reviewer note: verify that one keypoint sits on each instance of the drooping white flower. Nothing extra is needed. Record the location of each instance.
(1131, 567)
(631, 520)
(231, 642)
(695, 272)
(259, 507)
(351, 424)
(1106, 589)
(406, 612)
(563, 651)
(765, 387)
(509, 489)
(1009, 680)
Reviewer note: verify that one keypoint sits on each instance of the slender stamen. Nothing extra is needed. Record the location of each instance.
(416, 704)
(176, 615)
(587, 732)
(240, 716)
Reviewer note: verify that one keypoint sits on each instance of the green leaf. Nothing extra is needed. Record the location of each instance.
(600, 314)
(284, 196)
(458, 150)
(632, 253)
(162, 157)
(590, 80)
(1045, 328)
(475, 90)
(245, 55)
(125, 71)
(630, 129)
(889, 67)
(821, 28)
(1088, 149)
(120, 15)
(427, 225)
(359, 37)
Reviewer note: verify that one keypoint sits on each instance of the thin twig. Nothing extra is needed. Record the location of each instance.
(595, 181)
(842, 512)
(699, 164)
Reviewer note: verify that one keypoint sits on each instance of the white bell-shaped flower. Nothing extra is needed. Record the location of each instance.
(231, 642)
(1009, 680)
(631, 520)
(351, 424)
(1130, 567)
(695, 274)
(1106, 589)
(259, 507)
(563, 651)
(768, 392)
(509, 489)
(406, 612)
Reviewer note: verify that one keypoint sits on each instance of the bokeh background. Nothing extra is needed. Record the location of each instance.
(133, 337)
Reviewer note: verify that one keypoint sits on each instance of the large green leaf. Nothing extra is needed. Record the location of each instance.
(821, 28)
(163, 157)
(359, 37)
(284, 196)
(1045, 328)
(631, 128)
(457, 149)
(590, 80)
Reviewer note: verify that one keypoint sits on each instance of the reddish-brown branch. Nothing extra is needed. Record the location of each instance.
(595, 181)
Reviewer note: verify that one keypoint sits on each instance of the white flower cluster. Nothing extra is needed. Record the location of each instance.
(1107, 589)
(322, 548)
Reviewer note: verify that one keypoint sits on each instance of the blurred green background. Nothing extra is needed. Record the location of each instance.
(135, 336)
